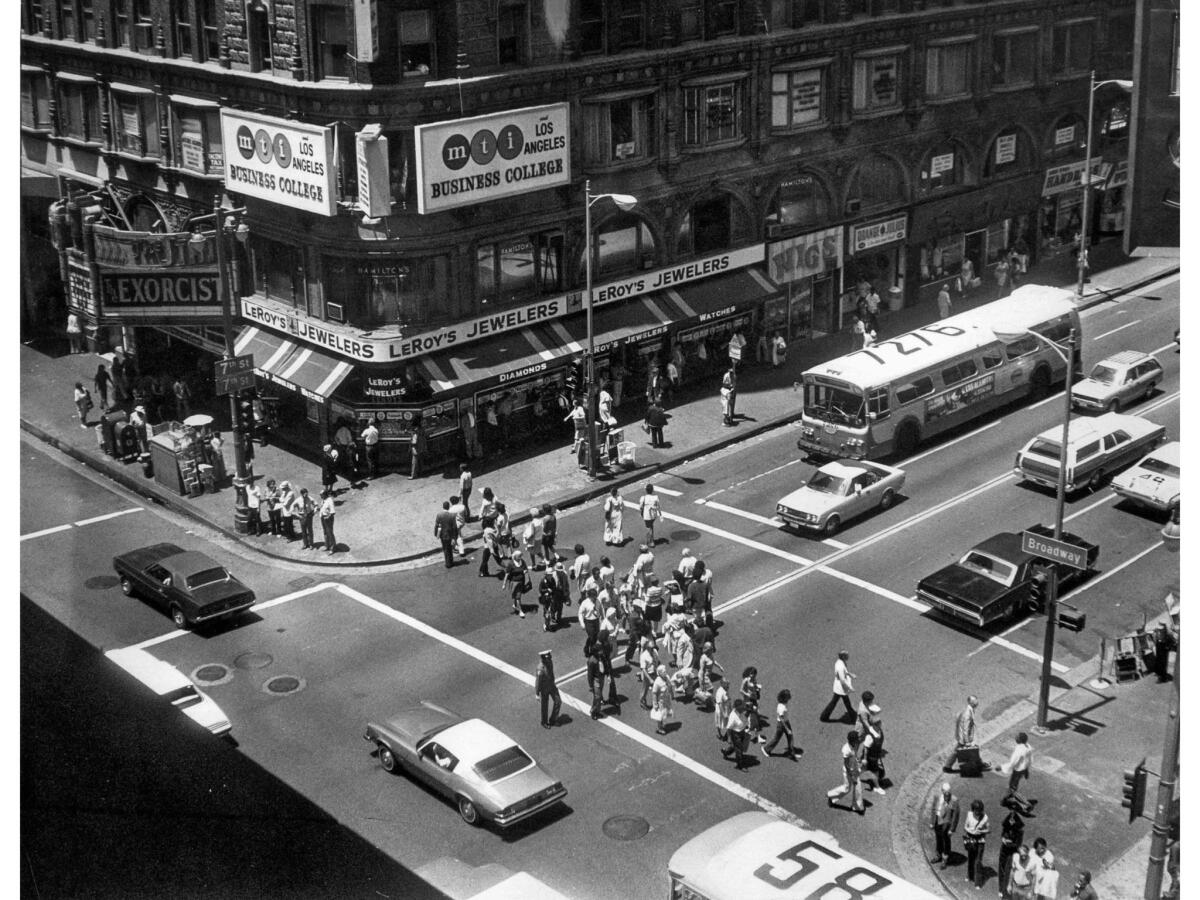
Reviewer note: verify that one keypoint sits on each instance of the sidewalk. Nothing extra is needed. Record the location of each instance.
(390, 519)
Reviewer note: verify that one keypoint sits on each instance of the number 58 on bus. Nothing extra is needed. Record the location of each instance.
(891, 396)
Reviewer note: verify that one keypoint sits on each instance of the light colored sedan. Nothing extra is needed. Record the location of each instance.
(840, 491)
(485, 773)
(1153, 482)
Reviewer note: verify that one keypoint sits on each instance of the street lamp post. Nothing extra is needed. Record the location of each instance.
(624, 202)
(1086, 178)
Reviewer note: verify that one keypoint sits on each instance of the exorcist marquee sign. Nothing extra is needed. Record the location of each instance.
(173, 295)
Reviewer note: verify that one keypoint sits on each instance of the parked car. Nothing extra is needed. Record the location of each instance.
(1096, 449)
(839, 491)
(1117, 381)
(190, 586)
(1153, 482)
(168, 682)
(997, 580)
(486, 773)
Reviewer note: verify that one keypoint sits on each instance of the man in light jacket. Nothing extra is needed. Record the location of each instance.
(944, 822)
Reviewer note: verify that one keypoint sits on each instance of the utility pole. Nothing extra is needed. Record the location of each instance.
(1166, 794)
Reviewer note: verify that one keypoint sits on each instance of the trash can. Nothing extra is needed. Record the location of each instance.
(895, 299)
(124, 441)
(627, 454)
(206, 478)
(147, 465)
(107, 428)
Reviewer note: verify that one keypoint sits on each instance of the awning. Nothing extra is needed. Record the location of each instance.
(732, 291)
(527, 348)
(295, 366)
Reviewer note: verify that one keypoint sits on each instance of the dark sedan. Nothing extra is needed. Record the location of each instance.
(191, 587)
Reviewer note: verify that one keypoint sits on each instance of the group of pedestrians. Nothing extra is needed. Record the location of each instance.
(281, 510)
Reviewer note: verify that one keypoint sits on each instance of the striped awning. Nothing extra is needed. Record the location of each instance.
(298, 367)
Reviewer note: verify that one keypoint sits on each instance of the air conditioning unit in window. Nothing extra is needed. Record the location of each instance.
(625, 150)
(853, 205)
(335, 311)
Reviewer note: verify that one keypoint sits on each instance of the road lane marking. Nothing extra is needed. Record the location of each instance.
(734, 511)
(1115, 330)
(730, 536)
(1043, 402)
(738, 484)
(969, 434)
(81, 523)
(1164, 348)
(1089, 508)
(1160, 402)
(836, 545)
(1109, 573)
(668, 491)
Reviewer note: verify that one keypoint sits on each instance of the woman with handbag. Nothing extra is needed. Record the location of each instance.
(975, 830)
(663, 706)
(83, 403)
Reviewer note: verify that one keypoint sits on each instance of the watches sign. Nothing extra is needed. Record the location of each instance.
(468, 161)
(278, 160)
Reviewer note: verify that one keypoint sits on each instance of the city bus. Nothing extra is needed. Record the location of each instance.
(887, 398)
(754, 856)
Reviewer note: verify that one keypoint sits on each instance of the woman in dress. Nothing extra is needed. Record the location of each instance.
(83, 402)
(663, 697)
(975, 831)
(614, 507)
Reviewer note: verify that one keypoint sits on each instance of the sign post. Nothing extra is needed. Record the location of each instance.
(233, 375)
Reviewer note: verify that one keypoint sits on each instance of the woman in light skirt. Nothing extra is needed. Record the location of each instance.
(614, 508)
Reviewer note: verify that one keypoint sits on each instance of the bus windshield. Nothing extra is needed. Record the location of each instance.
(831, 404)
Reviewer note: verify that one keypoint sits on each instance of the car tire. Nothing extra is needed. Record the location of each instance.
(177, 616)
(907, 438)
(1096, 481)
(832, 524)
(1113, 406)
(1039, 383)
(387, 758)
(126, 586)
(888, 498)
(468, 811)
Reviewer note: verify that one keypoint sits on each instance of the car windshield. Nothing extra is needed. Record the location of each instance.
(1161, 466)
(1104, 374)
(502, 764)
(995, 569)
(1043, 447)
(207, 576)
(824, 483)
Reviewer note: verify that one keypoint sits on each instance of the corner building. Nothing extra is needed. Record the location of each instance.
(412, 175)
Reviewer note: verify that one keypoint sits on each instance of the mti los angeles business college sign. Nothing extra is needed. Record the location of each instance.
(278, 160)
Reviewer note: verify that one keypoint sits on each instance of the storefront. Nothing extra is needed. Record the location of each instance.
(876, 257)
(1111, 200)
(396, 422)
(1062, 199)
(809, 268)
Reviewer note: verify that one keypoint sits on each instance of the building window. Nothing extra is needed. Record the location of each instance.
(723, 16)
(1068, 137)
(512, 34)
(143, 27)
(35, 16)
(520, 268)
(799, 201)
(330, 42)
(35, 100)
(387, 291)
(87, 11)
(67, 8)
(712, 113)
(197, 139)
(1120, 40)
(691, 20)
(797, 98)
(623, 244)
(279, 270)
(261, 49)
(183, 28)
(1073, 47)
(135, 123)
(1014, 58)
(1008, 153)
(620, 130)
(794, 13)
(948, 70)
(416, 43)
(210, 31)
(121, 35)
(876, 82)
(610, 26)
(79, 112)
(876, 182)
(943, 168)
(707, 227)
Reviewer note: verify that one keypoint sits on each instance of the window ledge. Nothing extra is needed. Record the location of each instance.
(178, 170)
(730, 144)
(37, 129)
(781, 130)
(81, 142)
(133, 157)
(948, 99)
(877, 113)
(1072, 75)
(620, 165)
(1011, 88)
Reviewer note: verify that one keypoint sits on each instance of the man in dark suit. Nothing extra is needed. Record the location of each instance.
(446, 530)
(944, 822)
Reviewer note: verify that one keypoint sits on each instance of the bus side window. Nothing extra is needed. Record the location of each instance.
(918, 387)
(992, 357)
(1020, 348)
(877, 403)
(959, 371)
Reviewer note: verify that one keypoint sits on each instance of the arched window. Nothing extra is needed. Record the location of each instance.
(144, 215)
(1008, 153)
(877, 181)
(944, 167)
(1067, 138)
(708, 226)
(800, 200)
(623, 244)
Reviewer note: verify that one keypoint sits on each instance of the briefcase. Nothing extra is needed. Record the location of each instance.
(970, 764)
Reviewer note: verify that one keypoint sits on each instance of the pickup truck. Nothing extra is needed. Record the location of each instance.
(996, 580)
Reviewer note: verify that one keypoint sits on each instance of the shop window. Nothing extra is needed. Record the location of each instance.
(183, 28)
(135, 123)
(210, 30)
(610, 26)
(943, 167)
(623, 244)
(1072, 54)
(87, 16)
(143, 26)
(798, 97)
(794, 13)
(1014, 58)
(262, 51)
(35, 100)
(1008, 153)
(799, 201)
(67, 19)
(876, 182)
(121, 36)
(377, 293)
(877, 82)
(79, 111)
(512, 34)
(196, 136)
(1067, 138)
(948, 70)
(416, 43)
(508, 271)
(35, 16)
(278, 270)
(712, 113)
(707, 227)
(619, 131)
(330, 42)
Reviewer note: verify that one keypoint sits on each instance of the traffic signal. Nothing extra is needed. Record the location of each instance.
(1134, 790)
(245, 420)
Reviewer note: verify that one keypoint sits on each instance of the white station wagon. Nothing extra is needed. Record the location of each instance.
(1153, 482)
(839, 491)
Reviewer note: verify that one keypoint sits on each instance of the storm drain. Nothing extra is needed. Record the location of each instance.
(211, 674)
(283, 684)
(253, 660)
(626, 828)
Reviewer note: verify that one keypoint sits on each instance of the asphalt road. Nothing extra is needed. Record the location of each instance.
(374, 643)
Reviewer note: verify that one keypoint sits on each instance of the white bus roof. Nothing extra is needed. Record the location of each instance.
(721, 862)
(906, 354)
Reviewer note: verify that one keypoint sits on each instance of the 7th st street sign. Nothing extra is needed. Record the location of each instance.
(1056, 551)
(233, 375)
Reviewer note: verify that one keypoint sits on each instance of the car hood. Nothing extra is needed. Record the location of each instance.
(221, 590)
(968, 589)
(1093, 390)
(807, 500)
(1148, 484)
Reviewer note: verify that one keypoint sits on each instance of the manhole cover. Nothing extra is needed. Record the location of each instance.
(284, 684)
(212, 674)
(302, 582)
(253, 660)
(684, 536)
(101, 582)
(626, 828)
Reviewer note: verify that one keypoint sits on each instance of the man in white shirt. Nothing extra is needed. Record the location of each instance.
(460, 519)
(687, 565)
(581, 567)
(651, 510)
(643, 566)
(589, 616)
(843, 685)
(370, 439)
(1017, 767)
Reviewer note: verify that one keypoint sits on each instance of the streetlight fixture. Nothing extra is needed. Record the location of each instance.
(1086, 178)
(624, 202)
(1066, 354)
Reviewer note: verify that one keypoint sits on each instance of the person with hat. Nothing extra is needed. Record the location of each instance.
(737, 732)
(663, 707)
(137, 421)
(545, 689)
(270, 498)
(654, 605)
(687, 565)
(329, 466)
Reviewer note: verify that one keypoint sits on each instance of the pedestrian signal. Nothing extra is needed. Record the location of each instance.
(1134, 790)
